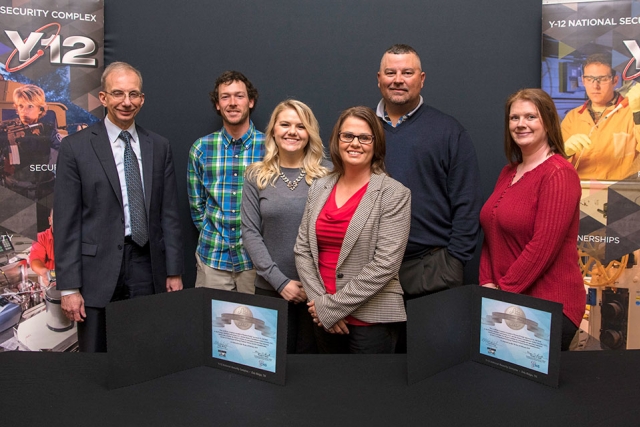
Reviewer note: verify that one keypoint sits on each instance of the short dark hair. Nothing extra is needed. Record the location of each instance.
(229, 77)
(599, 58)
(548, 116)
(401, 49)
(379, 148)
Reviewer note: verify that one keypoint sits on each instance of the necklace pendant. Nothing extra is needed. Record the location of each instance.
(291, 185)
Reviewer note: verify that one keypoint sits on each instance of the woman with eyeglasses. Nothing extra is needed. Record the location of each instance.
(273, 198)
(531, 220)
(351, 242)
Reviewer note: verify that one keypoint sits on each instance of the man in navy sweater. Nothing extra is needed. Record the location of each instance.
(431, 154)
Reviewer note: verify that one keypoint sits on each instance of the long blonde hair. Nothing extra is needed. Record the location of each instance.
(267, 171)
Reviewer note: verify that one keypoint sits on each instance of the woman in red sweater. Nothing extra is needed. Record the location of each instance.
(531, 220)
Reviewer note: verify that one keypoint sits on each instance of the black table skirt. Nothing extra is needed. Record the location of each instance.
(600, 388)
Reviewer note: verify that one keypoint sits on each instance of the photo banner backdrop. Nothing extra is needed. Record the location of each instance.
(51, 60)
(601, 137)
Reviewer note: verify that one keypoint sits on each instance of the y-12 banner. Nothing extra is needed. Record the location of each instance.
(51, 60)
(591, 68)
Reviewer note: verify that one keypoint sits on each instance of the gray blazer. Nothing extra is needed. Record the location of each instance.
(367, 285)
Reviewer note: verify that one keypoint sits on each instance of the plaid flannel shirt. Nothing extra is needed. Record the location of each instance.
(215, 176)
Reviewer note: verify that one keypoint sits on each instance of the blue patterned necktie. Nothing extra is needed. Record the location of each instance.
(137, 211)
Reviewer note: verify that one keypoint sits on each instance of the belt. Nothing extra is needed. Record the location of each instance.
(434, 250)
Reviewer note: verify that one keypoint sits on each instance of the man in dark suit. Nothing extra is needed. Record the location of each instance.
(118, 233)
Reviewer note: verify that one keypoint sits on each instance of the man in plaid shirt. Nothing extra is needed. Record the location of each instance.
(215, 177)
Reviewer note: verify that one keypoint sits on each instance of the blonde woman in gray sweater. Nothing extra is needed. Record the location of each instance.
(273, 200)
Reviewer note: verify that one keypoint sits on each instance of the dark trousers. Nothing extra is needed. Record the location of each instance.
(568, 332)
(300, 334)
(434, 271)
(135, 280)
(379, 338)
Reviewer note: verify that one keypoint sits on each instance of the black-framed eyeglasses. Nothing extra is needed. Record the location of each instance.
(119, 95)
(597, 79)
(364, 138)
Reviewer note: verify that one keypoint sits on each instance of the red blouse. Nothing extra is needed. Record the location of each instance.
(331, 227)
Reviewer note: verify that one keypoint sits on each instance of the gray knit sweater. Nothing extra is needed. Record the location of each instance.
(270, 222)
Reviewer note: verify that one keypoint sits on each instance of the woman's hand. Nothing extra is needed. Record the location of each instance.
(490, 285)
(294, 292)
(314, 314)
(339, 328)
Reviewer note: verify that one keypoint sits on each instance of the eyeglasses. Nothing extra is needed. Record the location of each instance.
(119, 95)
(597, 79)
(364, 138)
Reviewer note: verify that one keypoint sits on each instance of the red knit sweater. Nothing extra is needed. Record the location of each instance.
(530, 235)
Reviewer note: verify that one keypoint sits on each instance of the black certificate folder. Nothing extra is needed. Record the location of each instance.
(153, 336)
(514, 333)
(246, 334)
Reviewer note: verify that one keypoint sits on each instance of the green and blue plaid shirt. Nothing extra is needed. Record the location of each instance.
(215, 175)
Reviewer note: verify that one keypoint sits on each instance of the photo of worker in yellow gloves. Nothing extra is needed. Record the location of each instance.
(601, 137)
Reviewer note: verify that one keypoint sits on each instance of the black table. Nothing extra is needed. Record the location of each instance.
(599, 388)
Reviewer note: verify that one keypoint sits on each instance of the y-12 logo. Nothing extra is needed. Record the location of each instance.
(632, 45)
(24, 48)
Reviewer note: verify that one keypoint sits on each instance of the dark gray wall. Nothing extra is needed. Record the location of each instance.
(325, 53)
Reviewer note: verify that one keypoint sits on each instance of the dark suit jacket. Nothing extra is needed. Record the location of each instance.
(89, 218)
(367, 285)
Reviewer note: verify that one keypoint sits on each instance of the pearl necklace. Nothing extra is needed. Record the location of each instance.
(293, 184)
